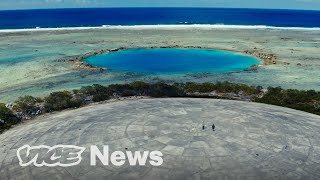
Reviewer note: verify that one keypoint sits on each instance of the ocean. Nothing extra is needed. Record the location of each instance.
(98, 17)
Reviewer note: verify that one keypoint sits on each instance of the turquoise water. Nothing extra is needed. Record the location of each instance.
(173, 61)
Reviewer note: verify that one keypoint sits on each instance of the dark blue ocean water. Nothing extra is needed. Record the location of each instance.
(53, 18)
(173, 61)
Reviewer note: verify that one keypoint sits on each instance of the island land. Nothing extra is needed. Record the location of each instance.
(250, 141)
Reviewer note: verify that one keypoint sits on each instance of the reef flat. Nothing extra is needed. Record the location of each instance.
(37, 62)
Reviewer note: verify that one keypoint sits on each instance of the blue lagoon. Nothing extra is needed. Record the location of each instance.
(173, 61)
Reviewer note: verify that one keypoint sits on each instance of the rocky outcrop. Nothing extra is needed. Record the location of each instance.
(77, 61)
(267, 58)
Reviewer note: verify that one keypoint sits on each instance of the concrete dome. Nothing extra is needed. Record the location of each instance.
(251, 141)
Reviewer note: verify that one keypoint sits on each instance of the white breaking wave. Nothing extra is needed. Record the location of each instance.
(167, 27)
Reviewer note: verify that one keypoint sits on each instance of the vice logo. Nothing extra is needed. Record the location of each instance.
(69, 155)
(60, 155)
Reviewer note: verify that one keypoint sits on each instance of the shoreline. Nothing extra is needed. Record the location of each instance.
(78, 61)
(57, 101)
(163, 27)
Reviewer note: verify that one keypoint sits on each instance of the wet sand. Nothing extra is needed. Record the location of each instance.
(37, 62)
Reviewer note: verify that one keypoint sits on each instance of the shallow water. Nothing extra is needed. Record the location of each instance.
(39, 70)
(173, 61)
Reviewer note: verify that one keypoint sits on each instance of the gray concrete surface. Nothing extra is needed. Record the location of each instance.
(251, 141)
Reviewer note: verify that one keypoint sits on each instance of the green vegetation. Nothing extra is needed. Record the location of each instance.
(61, 100)
(221, 87)
(7, 118)
(166, 90)
(29, 106)
(98, 92)
(308, 101)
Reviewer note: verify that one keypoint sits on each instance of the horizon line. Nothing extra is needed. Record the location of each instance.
(146, 7)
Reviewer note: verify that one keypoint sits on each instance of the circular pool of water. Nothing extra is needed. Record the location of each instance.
(173, 61)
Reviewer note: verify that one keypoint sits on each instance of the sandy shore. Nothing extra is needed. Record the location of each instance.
(34, 62)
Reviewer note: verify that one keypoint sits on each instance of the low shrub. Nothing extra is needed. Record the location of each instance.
(165, 90)
(7, 118)
(61, 100)
(27, 104)
(308, 101)
(221, 87)
(98, 92)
